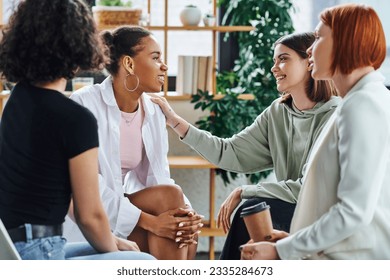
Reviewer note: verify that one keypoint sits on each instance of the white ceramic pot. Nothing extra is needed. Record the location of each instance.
(209, 21)
(190, 16)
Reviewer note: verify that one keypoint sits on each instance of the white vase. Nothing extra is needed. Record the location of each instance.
(190, 16)
(209, 21)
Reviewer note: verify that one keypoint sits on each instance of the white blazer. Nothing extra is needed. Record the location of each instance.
(343, 210)
(123, 216)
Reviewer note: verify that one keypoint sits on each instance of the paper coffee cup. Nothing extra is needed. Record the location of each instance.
(258, 221)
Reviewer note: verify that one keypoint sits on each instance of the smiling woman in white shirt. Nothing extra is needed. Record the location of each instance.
(141, 200)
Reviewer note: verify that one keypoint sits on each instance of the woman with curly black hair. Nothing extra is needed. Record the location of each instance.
(48, 143)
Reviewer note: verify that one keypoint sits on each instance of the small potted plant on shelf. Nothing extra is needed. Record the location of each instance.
(112, 3)
(209, 19)
(111, 13)
(190, 15)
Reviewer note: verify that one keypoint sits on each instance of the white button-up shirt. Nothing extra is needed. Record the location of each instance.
(153, 169)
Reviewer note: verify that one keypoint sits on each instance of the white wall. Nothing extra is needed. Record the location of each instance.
(306, 18)
(302, 15)
(8, 6)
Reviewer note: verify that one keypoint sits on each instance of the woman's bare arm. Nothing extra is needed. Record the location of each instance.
(88, 210)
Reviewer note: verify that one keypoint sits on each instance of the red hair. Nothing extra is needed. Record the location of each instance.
(358, 37)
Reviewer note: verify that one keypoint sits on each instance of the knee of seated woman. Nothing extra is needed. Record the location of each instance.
(172, 196)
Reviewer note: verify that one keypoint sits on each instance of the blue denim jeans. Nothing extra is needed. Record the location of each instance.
(56, 248)
(84, 251)
(48, 248)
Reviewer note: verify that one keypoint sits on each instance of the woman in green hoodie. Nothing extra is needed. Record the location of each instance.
(280, 138)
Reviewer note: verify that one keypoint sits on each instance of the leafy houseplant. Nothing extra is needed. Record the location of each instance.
(114, 3)
(251, 73)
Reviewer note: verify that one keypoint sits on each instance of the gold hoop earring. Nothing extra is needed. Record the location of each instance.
(125, 82)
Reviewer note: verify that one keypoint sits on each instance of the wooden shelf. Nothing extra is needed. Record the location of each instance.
(172, 95)
(244, 96)
(165, 28)
(196, 162)
(189, 28)
(206, 230)
(6, 93)
(185, 97)
(202, 28)
(3, 96)
(189, 162)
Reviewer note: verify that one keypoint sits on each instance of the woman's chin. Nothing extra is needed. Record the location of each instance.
(316, 75)
(159, 88)
(155, 89)
(280, 89)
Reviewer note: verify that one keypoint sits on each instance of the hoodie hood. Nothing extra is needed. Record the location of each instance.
(319, 108)
(303, 129)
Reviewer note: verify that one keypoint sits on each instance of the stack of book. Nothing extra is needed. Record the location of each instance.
(194, 73)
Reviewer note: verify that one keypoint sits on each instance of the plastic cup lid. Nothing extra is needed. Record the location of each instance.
(254, 209)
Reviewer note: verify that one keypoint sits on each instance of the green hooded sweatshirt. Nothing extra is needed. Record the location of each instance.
(280, 138)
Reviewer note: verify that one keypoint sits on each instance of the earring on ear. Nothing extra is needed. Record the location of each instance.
(125, 82)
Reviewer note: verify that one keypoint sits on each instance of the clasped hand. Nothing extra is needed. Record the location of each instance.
(181, 225)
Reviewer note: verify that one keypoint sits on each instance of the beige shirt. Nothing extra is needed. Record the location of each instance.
(343, 209)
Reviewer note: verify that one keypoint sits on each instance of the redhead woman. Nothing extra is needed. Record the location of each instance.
(280, 138)
(343, 210)
(141, 200)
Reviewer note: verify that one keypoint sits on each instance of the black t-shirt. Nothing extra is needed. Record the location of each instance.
(40, 131)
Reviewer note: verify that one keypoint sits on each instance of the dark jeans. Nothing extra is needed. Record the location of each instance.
(281, 213)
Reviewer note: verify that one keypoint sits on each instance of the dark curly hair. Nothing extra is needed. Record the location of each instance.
(125, 40)
(49, 39)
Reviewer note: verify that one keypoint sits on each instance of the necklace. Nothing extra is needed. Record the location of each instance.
(129, 117)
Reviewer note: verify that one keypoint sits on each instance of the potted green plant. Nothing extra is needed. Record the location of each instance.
(209, 19)
(114, 3)
(111, 13)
